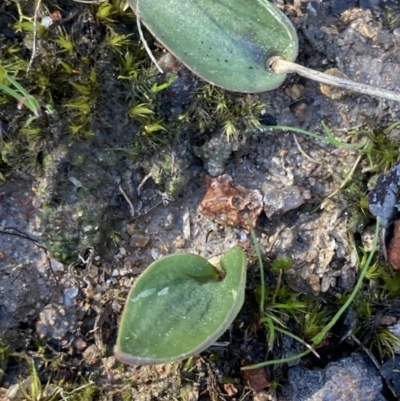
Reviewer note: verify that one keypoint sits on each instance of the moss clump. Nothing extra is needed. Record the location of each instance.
(169, 171)
(68, 228)
(211, 108)
(281, 264)
(76, 188)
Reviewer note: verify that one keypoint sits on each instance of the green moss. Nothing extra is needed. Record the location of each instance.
(381, 150)
(74, 216)
(4, 354)
(169, 170)
(314, 320)
(213, 108)
(64, 237)
(391, 18)
(358, 220)
(77, 160)
(281, 264)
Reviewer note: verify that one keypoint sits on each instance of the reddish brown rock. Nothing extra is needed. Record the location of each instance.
(393, 247)
(231, 205)
(256, 378)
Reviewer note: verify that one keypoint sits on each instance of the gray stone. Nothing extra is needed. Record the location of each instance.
(390, 372)
(215, 152)
(56, 321)
(279, 201)
(348, 379)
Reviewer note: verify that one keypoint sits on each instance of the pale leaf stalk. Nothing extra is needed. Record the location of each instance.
(279, 66)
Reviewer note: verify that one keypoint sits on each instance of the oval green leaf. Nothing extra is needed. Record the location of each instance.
(179, 306)
(225, 42)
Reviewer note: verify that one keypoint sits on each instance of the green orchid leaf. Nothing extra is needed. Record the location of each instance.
(179, 306)
(225, 42)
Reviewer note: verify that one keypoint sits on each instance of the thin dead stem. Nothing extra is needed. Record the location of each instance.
(147, 48)
(302, 151)
(34, 45)
(123, 193)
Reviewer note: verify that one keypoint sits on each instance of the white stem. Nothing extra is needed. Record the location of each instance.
(37, 6)
(146, 46)
(279, 66)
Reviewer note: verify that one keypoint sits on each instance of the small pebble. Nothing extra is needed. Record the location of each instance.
(47, 22)
(56, 265)
(71, 292)
(36, 203)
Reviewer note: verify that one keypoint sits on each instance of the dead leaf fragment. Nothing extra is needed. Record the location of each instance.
(393, 247)
(230, 204)
(257, 378)
(230, 389)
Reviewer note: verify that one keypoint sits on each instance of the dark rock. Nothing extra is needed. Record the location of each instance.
(390, 371)
(369, 4)
(384, 198)
(339, 6)
(348, 379)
